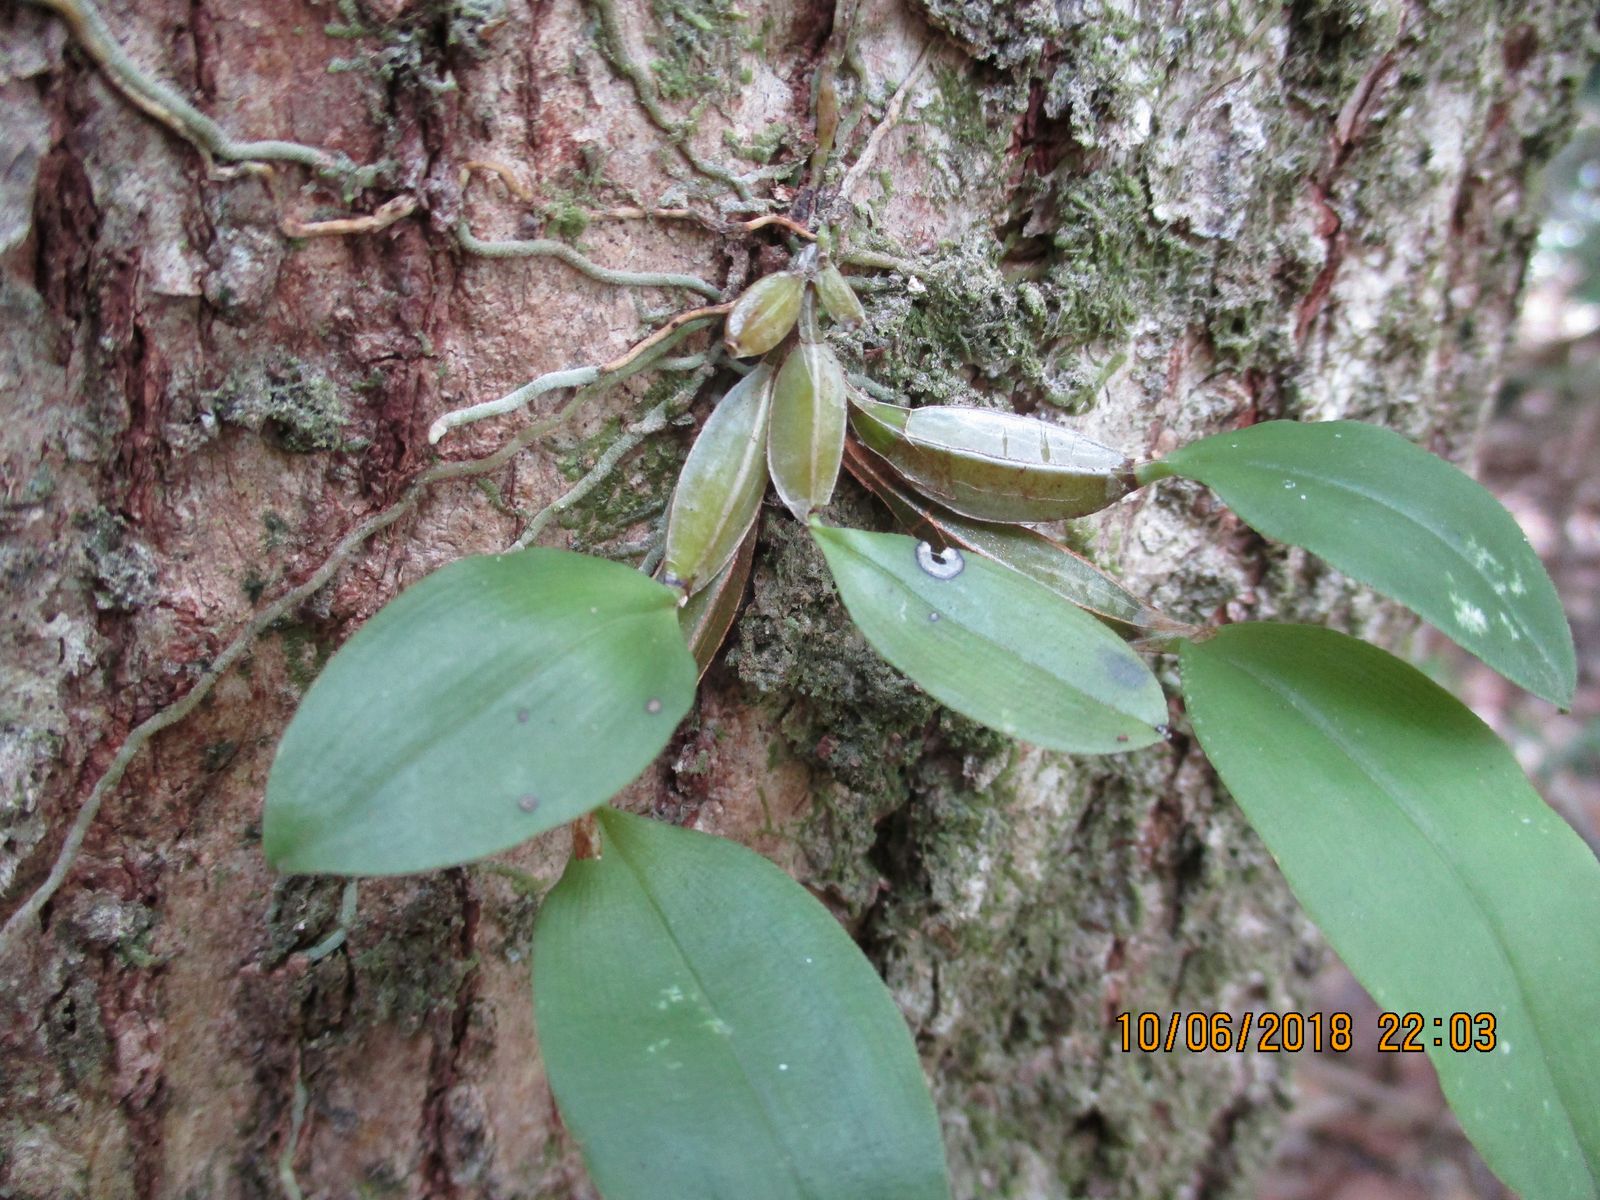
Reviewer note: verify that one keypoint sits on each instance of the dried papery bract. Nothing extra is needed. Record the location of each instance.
(708, 614)
(764, 315)
(720, 488)
(805, 438)
(994, 466)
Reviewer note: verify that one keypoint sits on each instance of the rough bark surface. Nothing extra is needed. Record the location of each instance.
(1151, 221)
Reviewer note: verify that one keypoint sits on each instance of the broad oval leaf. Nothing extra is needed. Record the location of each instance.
(995, 645)
(710, 1031)
(805, 436)
(994, 466)
(1408, 832)
(1392, 515)
(720, 487)
(498, 698)
(1023, 549)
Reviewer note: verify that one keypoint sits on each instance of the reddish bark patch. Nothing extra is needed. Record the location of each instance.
(1521, 44)
(1039, 143)
(65, 226)
(1331, 229)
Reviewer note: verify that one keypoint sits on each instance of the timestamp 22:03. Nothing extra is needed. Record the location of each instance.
(1292, 1032)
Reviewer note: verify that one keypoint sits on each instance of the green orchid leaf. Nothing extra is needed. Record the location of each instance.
(720, 487)
(499, 697)
(1410, 835)
(1392, 515)
(993, 466)
(995, 645)
(1019, 547)
(805, 437)
(710, 1031)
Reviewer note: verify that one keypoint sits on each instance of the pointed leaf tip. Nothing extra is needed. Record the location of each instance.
(994, 466)
(1447, 886)
(1391, 515)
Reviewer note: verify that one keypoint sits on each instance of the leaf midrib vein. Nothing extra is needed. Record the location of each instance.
(1441, 537)
(1382, 781)
(767, 1117)
(483, 699)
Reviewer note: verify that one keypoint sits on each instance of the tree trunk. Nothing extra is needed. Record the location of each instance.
(1152, 221)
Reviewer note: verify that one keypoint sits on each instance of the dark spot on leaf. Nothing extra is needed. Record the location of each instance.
(528, 803)
(1123, 671)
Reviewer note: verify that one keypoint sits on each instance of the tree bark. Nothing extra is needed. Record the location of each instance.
(1148, 221)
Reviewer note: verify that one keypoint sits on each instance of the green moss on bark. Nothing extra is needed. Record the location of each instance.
(1043, 320)
(637, 490)
(296, 402)
(698, 46)
(415, 967)
(122, 568)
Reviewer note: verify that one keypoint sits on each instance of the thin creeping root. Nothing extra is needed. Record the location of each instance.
(877, 260)
(653, 557)
(347, 918)
(626, 550)
(547, 248)
(633, 212)
(397, 209)
(640, 356)
(175, 712)
(636, 212)
(551, 381)
(791, 225)
(506, 174)
(644, 88)
(678, 324)
(891, 118)
(92, 33)
(652, 422)
(873, 388)
(291, 1144)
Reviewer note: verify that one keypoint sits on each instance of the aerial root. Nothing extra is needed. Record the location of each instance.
(643, 354)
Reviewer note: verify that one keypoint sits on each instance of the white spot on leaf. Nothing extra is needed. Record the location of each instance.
(945, 563)
(1468, 615)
